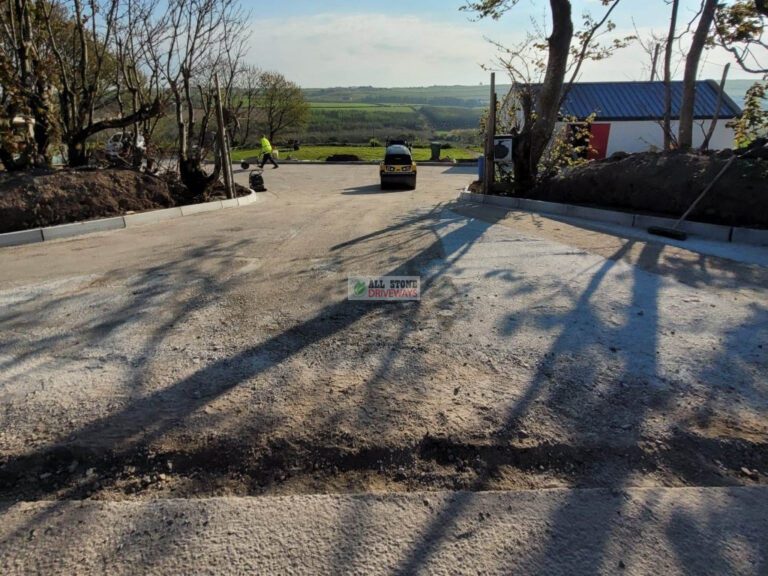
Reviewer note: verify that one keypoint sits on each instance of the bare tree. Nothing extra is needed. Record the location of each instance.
(651, 43)
(26, 88)
(700, 37)
(668, 49)
(740, 28)
(196, 38)
(83, 56)
(282, 103)
(587, 46)
(138, 43)
(538, 69)
(244, 101)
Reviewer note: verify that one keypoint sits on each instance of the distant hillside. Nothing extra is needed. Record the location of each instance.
(448, 113)
(466, 96)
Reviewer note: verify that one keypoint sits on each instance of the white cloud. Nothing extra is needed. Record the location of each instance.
(370, 49)
(387, 50)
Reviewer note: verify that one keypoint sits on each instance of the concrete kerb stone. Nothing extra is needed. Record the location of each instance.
(119, 222)
(198, 208)
(543, 207)
(21, 237)
(750, 236)
(713, 231)
(701, 229)
(250, 199)
(152, 216)
(466, 196)
(599, 215)
(79, 228)
(503, 201)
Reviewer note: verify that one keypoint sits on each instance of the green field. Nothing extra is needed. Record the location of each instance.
(359, 106)
(469, 96)
(366, 153)
(355, 115)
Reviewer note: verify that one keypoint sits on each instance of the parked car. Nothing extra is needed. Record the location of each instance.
(118, 144)
(398, 167)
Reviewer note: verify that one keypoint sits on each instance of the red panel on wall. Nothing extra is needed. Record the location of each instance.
(599, 140)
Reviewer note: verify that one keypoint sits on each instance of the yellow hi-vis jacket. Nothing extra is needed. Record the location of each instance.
(266, 147)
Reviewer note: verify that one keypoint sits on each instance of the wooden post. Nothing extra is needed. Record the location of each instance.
(716, 117)
(490, 130)
(226, 165)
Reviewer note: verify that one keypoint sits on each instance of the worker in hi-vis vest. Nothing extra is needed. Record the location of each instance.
(266, 150)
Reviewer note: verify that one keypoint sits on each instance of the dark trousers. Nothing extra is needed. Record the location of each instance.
(268, 157)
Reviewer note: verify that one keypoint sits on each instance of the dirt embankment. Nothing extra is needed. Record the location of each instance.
(52, 197)
(46, 198)
(666, 184)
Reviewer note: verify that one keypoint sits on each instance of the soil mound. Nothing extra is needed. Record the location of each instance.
(666, 184)
(48, 198)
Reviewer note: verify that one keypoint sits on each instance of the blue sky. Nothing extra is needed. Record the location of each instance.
(427, 42)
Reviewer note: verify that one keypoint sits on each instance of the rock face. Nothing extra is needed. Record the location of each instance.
(666, 184)
(47, 198)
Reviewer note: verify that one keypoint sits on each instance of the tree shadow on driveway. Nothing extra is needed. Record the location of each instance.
(125, 434)
(373, 189)
(154, 416)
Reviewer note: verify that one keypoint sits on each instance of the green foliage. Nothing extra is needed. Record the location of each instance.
(739, 29)
(283, 104)
(471, 96)
(453, 117)
(570, 146)
(754, 119)
(359, 125)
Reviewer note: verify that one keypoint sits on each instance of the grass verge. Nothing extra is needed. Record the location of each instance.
(366, 153)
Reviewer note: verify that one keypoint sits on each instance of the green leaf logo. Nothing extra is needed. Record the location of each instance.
(359, 288)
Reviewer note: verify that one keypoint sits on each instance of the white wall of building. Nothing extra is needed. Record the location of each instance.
(643, 135)
(640, 136)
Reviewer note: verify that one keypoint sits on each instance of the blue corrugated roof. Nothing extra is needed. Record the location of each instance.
(642, 100)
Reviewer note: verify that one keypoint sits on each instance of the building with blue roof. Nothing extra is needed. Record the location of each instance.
(629, 114)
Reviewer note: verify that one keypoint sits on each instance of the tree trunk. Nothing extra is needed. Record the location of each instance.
(533, 140)
(667, 126)
(76, 155)
(685, 134)
(195, 178)
(76, 142)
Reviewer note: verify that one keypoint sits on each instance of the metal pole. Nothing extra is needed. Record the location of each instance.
(490, 131)
(223, 147)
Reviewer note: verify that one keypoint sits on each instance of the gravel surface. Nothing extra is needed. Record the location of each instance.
(682, 531)
(217, 355)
